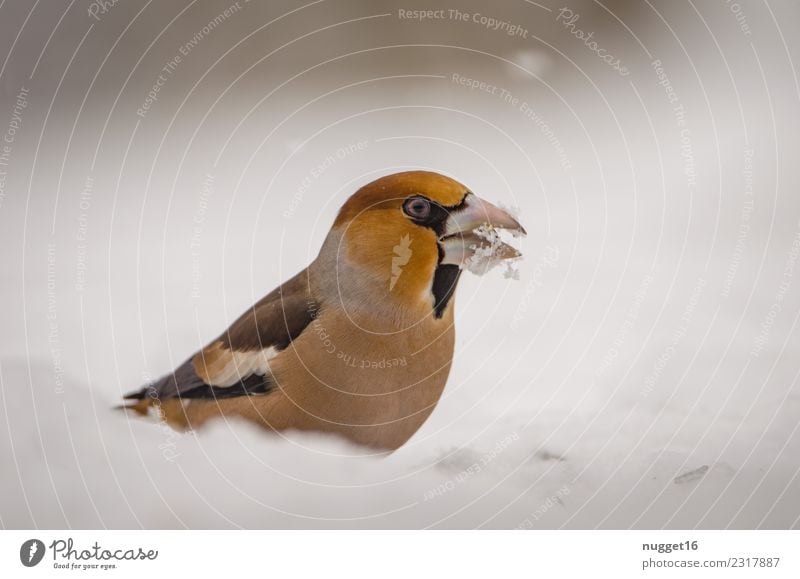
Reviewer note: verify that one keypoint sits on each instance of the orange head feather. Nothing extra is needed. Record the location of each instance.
(381, 234)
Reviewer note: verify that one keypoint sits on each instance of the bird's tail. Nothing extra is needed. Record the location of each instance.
(138, 401)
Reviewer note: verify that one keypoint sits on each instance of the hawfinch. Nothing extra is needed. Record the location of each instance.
(361, 341)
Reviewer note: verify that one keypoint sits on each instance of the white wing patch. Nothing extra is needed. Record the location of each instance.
(240, 365)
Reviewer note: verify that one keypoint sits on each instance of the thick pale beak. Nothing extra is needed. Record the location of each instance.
(470, 232)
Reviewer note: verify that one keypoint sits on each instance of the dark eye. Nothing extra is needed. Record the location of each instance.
(417, 208)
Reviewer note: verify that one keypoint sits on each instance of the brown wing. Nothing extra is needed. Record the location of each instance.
(237, 363)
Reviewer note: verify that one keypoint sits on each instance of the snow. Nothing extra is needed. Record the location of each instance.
(73, 462)
(489, 251)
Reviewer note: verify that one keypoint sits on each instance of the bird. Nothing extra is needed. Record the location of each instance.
(360, 343)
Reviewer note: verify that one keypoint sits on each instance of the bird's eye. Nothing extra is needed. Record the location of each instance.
(417, 207)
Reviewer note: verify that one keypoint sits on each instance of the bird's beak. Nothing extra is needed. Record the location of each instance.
(471, 229)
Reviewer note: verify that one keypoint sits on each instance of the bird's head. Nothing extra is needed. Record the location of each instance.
(404, 239)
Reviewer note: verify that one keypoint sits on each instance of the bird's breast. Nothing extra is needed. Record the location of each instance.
(376, 388)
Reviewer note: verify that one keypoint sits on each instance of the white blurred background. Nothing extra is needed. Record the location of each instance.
(643, 372)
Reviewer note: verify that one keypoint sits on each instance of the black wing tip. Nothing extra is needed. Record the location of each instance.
(185, 384)
(141, 394)
(254, 385)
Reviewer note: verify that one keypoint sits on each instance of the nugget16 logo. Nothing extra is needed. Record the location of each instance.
(31, 552)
